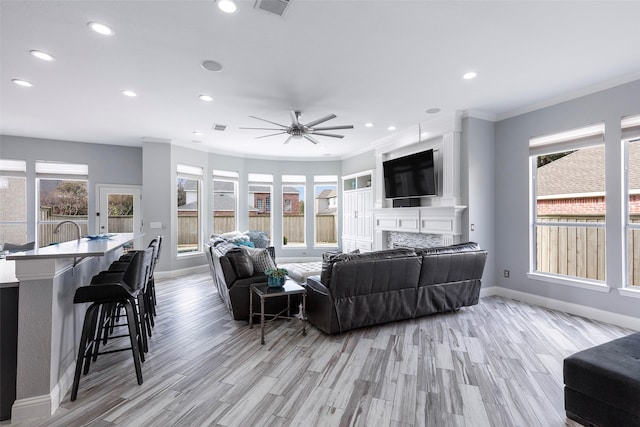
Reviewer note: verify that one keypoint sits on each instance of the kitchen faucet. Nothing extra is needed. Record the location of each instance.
(55, 231)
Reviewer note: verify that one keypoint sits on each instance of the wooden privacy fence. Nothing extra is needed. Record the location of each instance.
(580, 251)
(292, 226)
(117, 224)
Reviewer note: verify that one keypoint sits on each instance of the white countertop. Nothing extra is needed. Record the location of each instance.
(83, 248)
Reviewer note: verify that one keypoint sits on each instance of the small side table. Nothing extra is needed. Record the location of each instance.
(263, 291)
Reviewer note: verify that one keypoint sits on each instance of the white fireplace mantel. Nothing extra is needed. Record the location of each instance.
(440, 220)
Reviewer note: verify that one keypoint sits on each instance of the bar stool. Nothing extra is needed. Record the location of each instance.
(104, 296)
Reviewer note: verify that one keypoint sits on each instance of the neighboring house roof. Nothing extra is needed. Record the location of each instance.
(193, 206)
(267, 189)
(223, 186)
(328, 211)
(190, 184)
(582, 172)
(224, 202)
(326, 194)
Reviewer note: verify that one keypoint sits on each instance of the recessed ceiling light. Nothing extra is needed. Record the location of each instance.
(22, 82)
(227, 6)
(433, 110)
(206, 98)
(41, 55)
(211, 65)
(100, 28)
(196, 133)
(368, 125)
(391, 127)
(129, 93)
(323, 147)
(470, 75)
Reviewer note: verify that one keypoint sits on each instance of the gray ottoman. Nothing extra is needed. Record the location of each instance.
(602, 384)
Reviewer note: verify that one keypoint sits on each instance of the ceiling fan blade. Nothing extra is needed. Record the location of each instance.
(295, 118)
(309, 138)
(334, 127)
(269, 121)
(266, 136)
(263, 129)
(288, 139)
(321, 120)
(332, 135)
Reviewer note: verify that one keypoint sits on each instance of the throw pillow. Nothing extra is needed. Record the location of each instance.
(262, 261)
(259, 238)
(241, 262)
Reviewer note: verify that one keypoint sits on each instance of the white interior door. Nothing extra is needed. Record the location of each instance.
(119, 209)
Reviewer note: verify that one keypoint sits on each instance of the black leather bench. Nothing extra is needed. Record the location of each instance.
(602, 384)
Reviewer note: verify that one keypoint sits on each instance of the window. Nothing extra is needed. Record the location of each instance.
(13, 201)
(569, 204)
(293, 220)
(63, 196)
(260, 188)
(189, 181)
(326, 210)
(225, 201)
(631, 136)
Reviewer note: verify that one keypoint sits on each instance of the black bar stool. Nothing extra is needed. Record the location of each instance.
(103, 297)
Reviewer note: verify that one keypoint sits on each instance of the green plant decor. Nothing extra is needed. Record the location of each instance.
(276, 277)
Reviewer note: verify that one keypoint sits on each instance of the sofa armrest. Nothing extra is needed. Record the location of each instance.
(314, 283)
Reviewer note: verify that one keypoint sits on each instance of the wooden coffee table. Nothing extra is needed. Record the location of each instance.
(263, 291)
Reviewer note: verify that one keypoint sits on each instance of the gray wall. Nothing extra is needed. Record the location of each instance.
(359, 163)
(512, 193)
(108, 164)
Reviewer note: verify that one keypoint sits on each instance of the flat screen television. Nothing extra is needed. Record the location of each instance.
(410, 176)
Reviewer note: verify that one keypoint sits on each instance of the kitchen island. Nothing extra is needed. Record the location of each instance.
(49, 323)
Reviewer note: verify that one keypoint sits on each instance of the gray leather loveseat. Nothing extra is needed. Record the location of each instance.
(357, 290)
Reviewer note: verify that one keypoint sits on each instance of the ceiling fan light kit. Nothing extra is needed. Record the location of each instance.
(299, 130)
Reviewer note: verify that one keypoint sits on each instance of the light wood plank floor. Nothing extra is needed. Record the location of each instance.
(495, 364)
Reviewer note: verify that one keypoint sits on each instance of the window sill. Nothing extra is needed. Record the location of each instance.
(592, 285)
(189, 254)
(630, 291)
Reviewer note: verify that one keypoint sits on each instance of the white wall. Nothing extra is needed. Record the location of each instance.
(512, 194)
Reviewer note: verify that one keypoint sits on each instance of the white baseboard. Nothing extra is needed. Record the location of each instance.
(568, 307)
(45, 405)
(181, 272)
(32, 407)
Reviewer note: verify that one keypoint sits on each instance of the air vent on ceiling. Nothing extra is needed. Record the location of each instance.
(276, 7)
(221, 128)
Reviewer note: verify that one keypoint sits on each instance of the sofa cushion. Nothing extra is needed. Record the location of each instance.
(330, 258)
(261, 259)
(241, 262)
(460, 247)
(259, 238)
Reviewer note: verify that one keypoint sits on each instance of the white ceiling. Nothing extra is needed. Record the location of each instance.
(385, 62)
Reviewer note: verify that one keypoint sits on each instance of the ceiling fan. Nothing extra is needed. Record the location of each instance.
(299, 130)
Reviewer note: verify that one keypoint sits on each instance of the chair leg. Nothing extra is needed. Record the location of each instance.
(143, 326)
(86, 327)
(133, 332)
(91, 351)
(137, 326)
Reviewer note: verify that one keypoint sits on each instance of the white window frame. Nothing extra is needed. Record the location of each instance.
(630, 127)
(575, 139)
(321, 181)
(195, 173)
(232, 177)
(294, 181)
(16, 169)
(61, 172)
(262, 180)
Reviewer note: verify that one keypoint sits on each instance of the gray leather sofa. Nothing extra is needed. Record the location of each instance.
(358, 290)
(233, 274)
